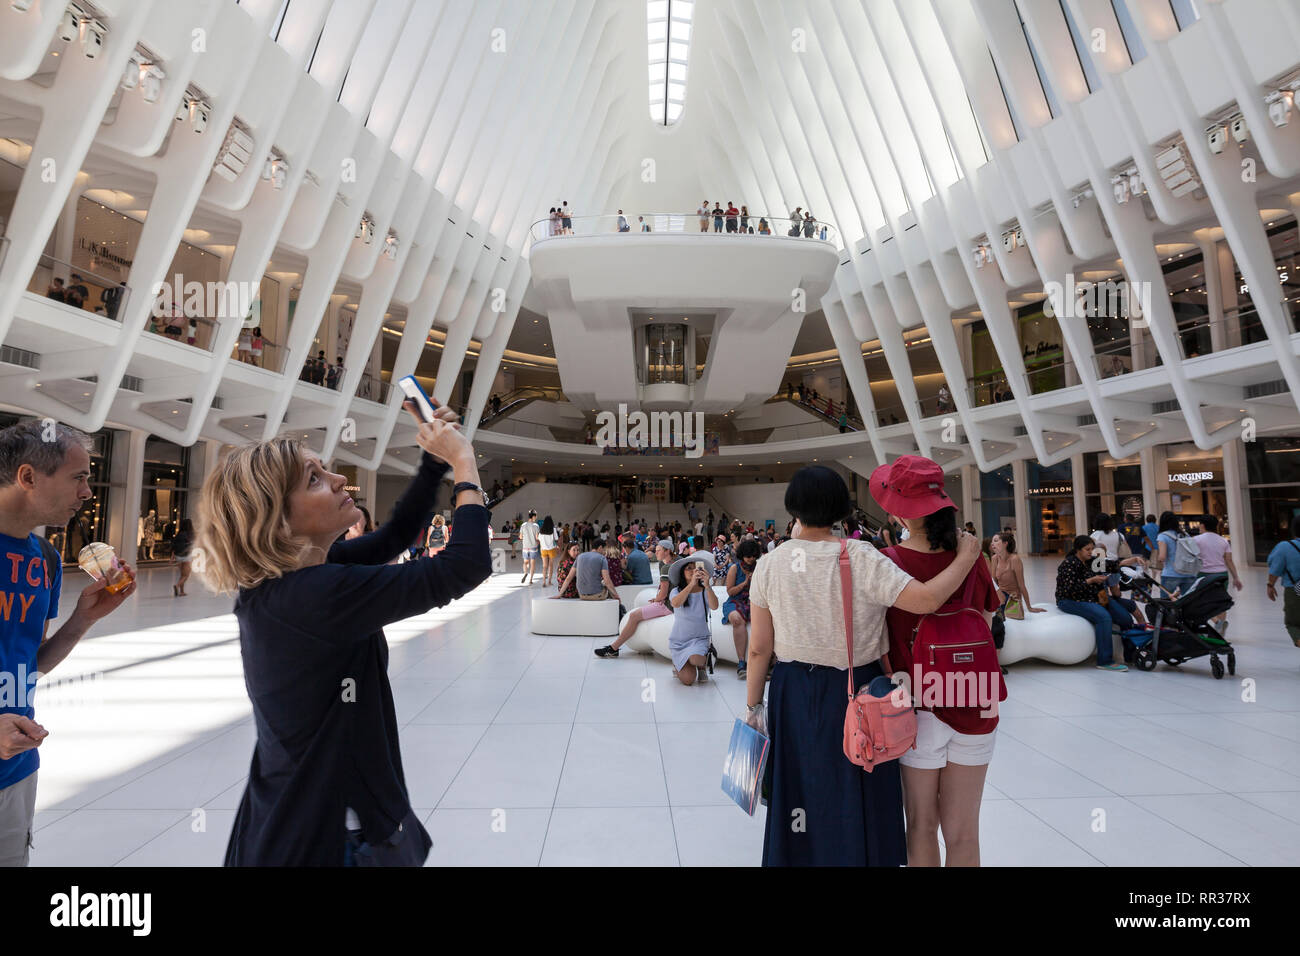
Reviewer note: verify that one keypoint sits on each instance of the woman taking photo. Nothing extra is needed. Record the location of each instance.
(943, 777)
(1009, 575)
(850, 817)
(546, 540)
(326, 786)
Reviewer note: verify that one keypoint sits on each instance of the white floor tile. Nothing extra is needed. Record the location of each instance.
(618, 700)
(487, 837)
(1118, 832)
(612, 765)
(513, 765)
(611, 837)
(1243, 830)
(99, 837)
(541, 700)
(194, 841)
(719, 836)
(467, 701)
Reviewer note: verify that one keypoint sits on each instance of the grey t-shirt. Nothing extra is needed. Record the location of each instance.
(589, 566)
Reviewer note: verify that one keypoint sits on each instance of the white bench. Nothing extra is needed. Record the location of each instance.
(574, 618)
(1052, 636)
(652, 636)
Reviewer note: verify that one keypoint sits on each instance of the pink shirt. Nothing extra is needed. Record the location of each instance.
(1213, 547)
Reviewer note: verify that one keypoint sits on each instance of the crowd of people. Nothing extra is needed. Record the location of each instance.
(318, 371)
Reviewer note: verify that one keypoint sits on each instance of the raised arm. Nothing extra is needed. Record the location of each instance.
(404, 524)
(354, 600)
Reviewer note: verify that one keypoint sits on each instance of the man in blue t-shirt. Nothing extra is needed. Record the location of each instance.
(638, 563)
(44, 469)
(1284, 569)
(1150, 536)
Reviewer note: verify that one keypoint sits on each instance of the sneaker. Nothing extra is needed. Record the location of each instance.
(742, 672)
(1112, 667)
(609, 650)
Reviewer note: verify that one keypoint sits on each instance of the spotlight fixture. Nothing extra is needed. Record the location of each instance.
(131, 75)
(1237, 126)
(1120, 185)
(366, 229)
(1217, 138)
(92, 37)
(68, 25)
(276, 170)
(1280, 103)
(199, 115)
(983, 254)
(183, 111)
(1078, 198)
(390, 247)
(151, 77)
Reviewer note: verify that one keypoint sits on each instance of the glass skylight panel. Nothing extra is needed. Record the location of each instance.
(668, 37)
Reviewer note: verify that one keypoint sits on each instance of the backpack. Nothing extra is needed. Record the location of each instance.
(1187, 557)
(955, 664)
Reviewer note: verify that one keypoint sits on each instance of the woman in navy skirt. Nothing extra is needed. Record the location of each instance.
(823, 809)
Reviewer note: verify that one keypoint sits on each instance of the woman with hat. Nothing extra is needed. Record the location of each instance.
(848, 817)
(943, 777)
(692, 598)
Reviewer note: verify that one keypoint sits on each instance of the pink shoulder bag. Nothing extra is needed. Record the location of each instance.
(879, 722)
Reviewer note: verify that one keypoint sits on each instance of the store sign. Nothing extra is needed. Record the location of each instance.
(1065, 488)
(1191, 477)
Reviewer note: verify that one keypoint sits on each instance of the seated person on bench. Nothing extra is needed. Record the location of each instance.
(591, 571)
(656, 608)
(1076, 593)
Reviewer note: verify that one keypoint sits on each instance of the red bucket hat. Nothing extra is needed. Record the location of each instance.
(910, 487)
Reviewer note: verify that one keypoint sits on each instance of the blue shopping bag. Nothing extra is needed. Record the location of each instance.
(742, 774)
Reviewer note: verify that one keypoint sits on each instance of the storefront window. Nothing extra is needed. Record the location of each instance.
(1110, 486)
(988, 382)
(1195, 486)
(165, 497)
(1273, 477)
(1185, 284)
(1042, 350)
(1050, 493)
(884, 391)
(1243, 325)
(996, 502)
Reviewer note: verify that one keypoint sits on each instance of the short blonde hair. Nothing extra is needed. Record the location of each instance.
(244, 515)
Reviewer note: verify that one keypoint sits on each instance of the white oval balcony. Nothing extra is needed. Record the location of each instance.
(742, 295)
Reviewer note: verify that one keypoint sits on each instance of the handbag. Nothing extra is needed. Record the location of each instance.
(879, 722)
(1013, 609)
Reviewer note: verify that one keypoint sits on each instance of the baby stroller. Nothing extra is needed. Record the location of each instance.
(1181, 628)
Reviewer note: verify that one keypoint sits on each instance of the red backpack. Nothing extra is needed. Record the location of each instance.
(954, 668)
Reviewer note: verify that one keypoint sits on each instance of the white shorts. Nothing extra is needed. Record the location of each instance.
(938, 745)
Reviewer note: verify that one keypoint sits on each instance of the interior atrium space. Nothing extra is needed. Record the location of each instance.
(687, 433)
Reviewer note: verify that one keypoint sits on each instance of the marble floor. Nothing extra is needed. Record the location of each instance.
(527, 750)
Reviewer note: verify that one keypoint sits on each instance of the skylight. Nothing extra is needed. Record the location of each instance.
(668, 32)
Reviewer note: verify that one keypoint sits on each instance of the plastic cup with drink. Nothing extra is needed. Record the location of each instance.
(100, 561)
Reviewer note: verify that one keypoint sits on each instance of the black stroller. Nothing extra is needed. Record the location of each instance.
(1181, 628)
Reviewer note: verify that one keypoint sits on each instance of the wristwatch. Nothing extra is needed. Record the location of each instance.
(468, 486)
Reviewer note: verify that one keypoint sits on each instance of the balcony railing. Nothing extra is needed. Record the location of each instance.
(517, 398)
(828, 409)
(936, 405)
(751, 226)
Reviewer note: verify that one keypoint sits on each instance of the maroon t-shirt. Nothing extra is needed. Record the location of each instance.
(924, 565)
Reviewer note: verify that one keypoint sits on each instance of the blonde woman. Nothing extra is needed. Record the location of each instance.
(326, 786)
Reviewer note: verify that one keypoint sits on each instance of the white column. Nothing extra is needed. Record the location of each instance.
(1079, 486)
(1019, 485)
(1150, 504)
(1234, 468)
(126, 513)
(970, 476)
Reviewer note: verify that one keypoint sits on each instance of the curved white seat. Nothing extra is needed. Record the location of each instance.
(1052, 636)
(574, 617)
(652, 636)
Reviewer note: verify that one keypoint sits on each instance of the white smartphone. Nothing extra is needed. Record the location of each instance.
(415, 393)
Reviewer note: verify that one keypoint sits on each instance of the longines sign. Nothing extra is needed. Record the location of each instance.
(1191, 477)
